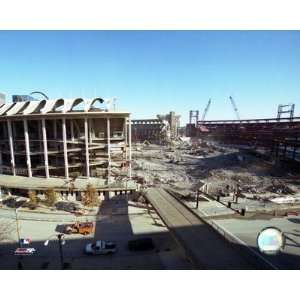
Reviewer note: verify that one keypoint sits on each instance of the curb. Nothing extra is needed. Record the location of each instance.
(74, 219)
(43, 212)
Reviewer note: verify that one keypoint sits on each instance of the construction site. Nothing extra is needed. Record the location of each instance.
(213, 183)
(241, 174)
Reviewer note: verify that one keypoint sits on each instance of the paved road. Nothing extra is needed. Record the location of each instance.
(247, 231)
(119, 227)
(202, 244)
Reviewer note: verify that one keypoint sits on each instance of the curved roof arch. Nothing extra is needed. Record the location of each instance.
(52, 105)
(69, 105)
(18, 107)
(34, 107)
(6, 107)
(59, 102)
(91, 103)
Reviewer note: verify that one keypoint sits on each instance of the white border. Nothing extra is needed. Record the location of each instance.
(154, 14)
(149, 285)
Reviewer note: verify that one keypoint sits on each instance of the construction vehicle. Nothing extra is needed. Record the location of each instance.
(235, 108)
(206, 110)
(82, 228)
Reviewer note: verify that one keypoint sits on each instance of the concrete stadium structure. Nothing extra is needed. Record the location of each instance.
(280, 137)
(63, 140)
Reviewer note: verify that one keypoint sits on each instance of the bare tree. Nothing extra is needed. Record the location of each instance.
(90, 197)
(50, 197)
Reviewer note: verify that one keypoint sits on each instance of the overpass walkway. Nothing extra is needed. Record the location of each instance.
(206, 248)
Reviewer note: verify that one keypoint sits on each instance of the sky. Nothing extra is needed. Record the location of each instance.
(153, 72)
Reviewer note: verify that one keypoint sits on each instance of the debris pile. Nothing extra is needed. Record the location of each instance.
(182, 164)
(279, 187)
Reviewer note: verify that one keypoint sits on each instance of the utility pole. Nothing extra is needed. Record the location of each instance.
(197, 199)
(59, 236)
(20, 265)
(18, 231)
(60, 244)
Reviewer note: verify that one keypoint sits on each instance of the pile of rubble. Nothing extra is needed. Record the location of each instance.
(182, 164)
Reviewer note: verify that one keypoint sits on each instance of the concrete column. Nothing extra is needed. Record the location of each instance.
(108, 149)
(64, 134)
(40, 134)
(45, 148)
(54, 129)
(126, 139)
(90, 131)
(11, 146)
(72, 130)
(87, 155)
(27, 147)
(55, 138)
(129, 142)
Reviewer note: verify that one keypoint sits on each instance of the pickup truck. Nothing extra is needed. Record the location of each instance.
(82, 228)
(100, 247)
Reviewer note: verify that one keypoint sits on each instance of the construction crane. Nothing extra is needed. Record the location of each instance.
(235, 108)
(206, 110)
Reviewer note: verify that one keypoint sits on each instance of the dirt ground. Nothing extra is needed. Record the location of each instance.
(186, 167)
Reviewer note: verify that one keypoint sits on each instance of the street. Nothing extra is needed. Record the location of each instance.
(120, 228)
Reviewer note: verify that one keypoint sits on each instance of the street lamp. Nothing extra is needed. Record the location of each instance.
(17, 224)
(61, 242)
(20, 265)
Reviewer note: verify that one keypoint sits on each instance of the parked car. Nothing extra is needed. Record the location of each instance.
(142, 244)
(82, 228)
(68, 206)
(14, 201)
(100, 247)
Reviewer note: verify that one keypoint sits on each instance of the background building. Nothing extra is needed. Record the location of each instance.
(22, 98)
(157, 130)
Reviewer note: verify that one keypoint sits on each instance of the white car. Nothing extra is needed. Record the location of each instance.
(100, 247)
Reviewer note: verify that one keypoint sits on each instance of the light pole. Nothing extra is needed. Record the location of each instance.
(20, 265)
(17, 224)
(61, 242)
(197, 199)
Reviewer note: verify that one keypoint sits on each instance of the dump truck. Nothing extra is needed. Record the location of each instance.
(82, 228)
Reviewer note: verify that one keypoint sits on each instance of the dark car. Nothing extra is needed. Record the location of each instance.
(142, 244)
